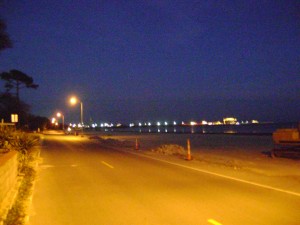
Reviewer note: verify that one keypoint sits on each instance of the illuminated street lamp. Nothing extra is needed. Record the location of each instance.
(63, 119)
(54, 122)
(73, 101)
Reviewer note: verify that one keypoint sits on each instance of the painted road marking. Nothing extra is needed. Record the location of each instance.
(219, 175)
(46, 166)
(106, 164)
(212, 221)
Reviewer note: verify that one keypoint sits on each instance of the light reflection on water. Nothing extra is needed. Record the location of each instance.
(230, 132)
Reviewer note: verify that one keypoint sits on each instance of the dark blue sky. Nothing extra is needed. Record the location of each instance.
(153, 60)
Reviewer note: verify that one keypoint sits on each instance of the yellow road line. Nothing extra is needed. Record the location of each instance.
(106, 164)
(212, 221)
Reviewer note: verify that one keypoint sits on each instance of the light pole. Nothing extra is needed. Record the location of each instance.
(73, 101)
(63, 119)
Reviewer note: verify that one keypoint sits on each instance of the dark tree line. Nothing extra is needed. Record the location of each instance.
(10, 102)
(5, 41)
(17, 80)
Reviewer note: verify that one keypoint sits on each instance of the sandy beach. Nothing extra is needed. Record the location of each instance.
(237, 156)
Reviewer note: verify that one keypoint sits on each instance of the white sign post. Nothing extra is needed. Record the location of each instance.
(14, 118)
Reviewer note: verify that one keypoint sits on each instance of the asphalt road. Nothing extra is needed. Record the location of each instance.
(81, 182)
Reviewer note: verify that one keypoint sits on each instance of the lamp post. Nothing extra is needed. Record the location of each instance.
(63, 119)
(73, 101)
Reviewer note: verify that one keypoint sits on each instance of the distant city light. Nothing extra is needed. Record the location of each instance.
(193, 123)
(230, 120)
(226, 121)
(217, 123)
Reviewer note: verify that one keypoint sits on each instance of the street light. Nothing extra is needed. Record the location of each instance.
(54, 122)
(63, 119)
(73, 101)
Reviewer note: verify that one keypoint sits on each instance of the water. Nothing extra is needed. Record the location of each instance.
(232, 139)
(244, 129)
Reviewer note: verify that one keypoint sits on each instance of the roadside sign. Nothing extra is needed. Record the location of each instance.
(14, 118)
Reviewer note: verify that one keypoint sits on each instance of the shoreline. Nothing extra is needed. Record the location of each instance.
(195, 133)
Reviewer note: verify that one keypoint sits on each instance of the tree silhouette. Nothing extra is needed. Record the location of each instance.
(4, 38)
(11, 105)
(17, 80)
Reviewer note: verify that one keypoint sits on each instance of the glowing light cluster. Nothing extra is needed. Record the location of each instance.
(106, 125)
(230, 121)
(193, 123)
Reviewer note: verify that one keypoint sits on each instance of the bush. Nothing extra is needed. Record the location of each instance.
(19, 141)
(6, 136)
(23, 142)
(170, 150)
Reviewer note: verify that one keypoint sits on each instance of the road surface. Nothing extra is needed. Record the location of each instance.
(81, 182)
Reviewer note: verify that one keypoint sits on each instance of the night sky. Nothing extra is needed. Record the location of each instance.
(156, 60)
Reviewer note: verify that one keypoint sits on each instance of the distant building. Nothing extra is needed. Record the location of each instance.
(230, 120)
(217, 123)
